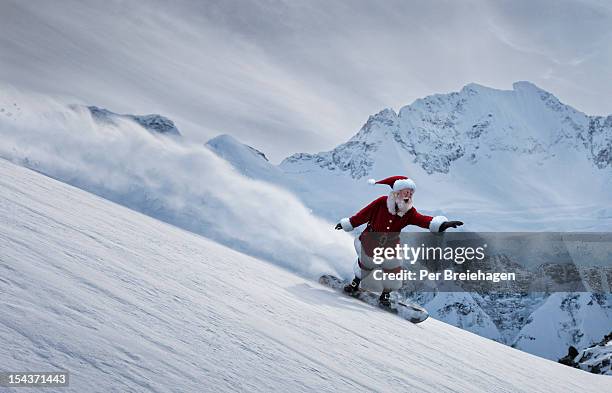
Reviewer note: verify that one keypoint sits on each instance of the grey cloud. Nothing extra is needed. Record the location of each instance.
(287, 76)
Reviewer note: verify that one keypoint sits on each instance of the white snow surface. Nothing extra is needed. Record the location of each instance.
(128, 303)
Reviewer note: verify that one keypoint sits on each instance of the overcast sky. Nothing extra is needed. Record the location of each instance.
(293, 76)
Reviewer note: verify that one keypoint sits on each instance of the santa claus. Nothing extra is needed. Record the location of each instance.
(387, 214)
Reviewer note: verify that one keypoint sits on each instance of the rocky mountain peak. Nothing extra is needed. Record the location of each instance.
(474, 124)
(154, 123)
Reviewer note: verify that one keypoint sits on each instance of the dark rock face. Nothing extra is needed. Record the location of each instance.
(157, 123)
(596, 359)
(154, 123)
(599, 140)
(568, 359)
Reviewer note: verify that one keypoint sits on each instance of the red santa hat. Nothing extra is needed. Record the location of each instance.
(397, 183)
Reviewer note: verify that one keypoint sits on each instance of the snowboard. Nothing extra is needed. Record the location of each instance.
(408, 311)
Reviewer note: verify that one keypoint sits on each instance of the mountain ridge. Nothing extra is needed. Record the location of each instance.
(439, 129)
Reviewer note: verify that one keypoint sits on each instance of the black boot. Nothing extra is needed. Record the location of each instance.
(353, 286)
(384, 299)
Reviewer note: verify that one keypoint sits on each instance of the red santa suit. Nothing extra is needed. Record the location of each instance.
(382, 215)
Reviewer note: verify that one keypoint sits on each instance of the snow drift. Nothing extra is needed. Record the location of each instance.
(179, 182)
(128, 303)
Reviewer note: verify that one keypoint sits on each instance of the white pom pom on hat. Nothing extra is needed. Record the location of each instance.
(397, 183)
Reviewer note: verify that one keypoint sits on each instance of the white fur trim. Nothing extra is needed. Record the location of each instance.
(371, 182)
(434, 225)
(402, 184)
(346, 224)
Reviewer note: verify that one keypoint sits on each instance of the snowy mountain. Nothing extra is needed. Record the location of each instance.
(128, 303)
(462, 309)
(577, 319)
(248, 160)
(473, 124)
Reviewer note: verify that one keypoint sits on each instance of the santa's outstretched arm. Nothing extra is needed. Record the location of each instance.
(361, 217)
(435, 223)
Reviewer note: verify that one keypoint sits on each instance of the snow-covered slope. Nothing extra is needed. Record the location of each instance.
(249, 161)
(127, 303)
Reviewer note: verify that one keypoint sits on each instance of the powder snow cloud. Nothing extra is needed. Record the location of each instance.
(173, 180)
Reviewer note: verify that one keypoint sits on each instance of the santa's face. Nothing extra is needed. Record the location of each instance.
(405, 195)
(403, 199)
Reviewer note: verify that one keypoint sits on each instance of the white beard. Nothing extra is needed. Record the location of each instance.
(403, 207)
(396, 205)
